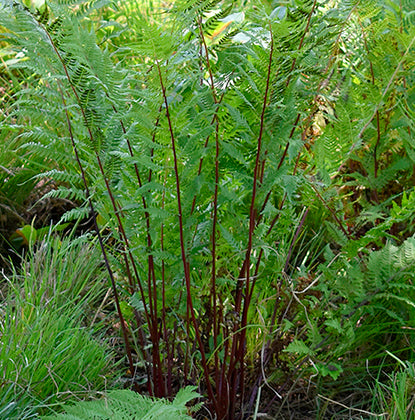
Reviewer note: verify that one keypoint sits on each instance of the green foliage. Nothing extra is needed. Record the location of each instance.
(125, 404)
(28, 235)
(395, 396)
(364, 312)
(46, 356)
(252, 165)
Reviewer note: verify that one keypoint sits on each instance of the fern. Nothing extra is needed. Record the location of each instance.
(125, 404)
(197, 153)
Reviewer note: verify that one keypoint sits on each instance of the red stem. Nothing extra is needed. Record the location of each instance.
(221, 402)
(186, 267)
(238, 353)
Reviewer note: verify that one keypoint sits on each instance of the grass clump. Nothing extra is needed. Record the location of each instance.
(47, 353)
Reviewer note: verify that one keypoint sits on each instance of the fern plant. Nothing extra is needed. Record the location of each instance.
(126, 404)
(204, 144)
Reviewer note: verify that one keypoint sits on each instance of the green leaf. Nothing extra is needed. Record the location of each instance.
(335, 324)
(330, 369)
(298, 346)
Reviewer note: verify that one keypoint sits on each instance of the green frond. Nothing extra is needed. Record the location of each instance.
(194, 7)
(126, 404)
(211, 22)
(61, 176)
(75, 214)
(66, 193)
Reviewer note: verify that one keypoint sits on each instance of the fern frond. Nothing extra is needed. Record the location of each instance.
(126, 404)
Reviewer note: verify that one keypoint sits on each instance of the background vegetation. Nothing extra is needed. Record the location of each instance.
(209, 193)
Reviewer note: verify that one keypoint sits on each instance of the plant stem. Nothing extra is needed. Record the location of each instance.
(186, 267)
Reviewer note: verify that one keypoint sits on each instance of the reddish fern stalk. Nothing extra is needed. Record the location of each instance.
(213, 298)
(186, 267)
(236, 365)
